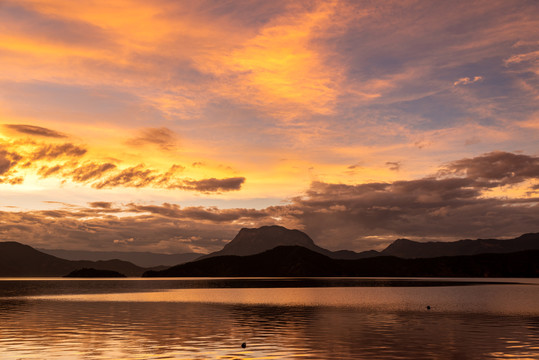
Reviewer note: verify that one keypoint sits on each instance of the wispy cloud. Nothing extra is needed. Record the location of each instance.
(162, 137)
(467, 80)
(393, 165)
(35, 130)
(281, 67)
(51, 152)
(525, 57)
(90, 171)
(17, 19)
(7, 160)
(211, 185)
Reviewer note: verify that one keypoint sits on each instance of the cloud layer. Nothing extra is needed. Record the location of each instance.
(456, 203)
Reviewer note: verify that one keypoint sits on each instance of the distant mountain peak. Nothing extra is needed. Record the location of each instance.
(402, 241)
(22, 260)
(251, 241)
(404, 248)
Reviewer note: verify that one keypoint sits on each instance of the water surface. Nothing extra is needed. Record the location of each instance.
(277, 318)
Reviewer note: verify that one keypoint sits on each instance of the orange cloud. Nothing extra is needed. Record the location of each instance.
(90, 171)
(281, 70)
(69, 162)
(162, 137)
(467, 80)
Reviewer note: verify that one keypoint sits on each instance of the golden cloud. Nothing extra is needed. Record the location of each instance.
(71, 162)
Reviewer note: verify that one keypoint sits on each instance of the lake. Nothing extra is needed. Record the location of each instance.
(345, 318)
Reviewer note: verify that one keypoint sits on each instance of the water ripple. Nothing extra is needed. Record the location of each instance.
(336, 323)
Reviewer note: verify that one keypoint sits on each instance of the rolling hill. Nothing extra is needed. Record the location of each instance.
(408, 249)
(18, 260)
(142, 259)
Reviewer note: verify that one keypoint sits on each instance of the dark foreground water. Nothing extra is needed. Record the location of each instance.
(276, 318)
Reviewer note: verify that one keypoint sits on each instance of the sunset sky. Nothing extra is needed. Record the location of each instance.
(168, 125)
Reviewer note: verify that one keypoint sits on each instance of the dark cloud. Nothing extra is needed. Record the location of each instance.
(35, 130)
(8, 160)
(140, 176)
(46, 171)
(8, 163)
(52, 151)
(200, 213)
(450, 205)
(101, 204)
(136, 176)
(223, 215)
(497, 168)
(394, 165)
(213, 184)
(170, 175)
(434, 209)
(167, 210)
(90, 171)
(162, 137)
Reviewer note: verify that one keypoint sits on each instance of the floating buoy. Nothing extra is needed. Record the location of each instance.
(244, 345)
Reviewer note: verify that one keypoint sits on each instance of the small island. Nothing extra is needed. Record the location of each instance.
(94, 273)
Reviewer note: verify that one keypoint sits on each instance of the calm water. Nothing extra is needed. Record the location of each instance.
(277, 318)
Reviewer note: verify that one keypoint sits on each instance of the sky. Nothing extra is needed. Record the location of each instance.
(168, 126)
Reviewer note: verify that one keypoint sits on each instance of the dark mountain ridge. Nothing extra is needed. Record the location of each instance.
(297, 261)
(409, 249)
(257, 240)
(20, 260)
(142, 259)
(251, 241)
(94, 273)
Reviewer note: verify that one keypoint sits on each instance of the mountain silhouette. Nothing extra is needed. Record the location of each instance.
(297, 261)
(279, 261)
(256, 240)
(142, 259)
(409, 249)
(22, 260)
(427, 258)
(93, 273)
